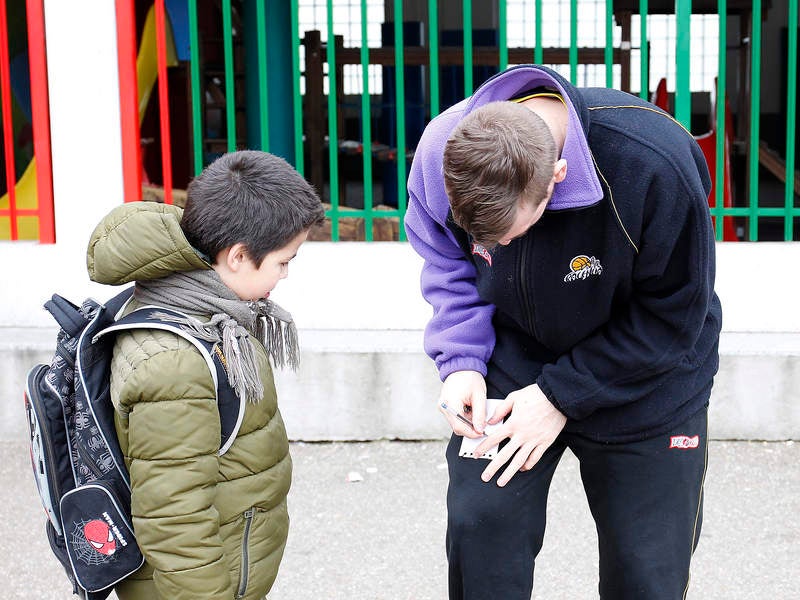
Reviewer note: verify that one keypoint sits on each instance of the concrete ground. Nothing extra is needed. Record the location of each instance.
(382, 538)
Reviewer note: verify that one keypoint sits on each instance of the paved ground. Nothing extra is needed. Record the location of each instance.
(382, 538)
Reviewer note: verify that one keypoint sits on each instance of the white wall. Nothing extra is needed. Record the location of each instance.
(87, 172)
(375, 286)
(84, 114)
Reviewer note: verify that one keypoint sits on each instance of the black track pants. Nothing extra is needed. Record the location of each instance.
(646, 498)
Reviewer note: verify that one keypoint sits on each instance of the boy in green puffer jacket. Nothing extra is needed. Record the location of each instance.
(210, 524)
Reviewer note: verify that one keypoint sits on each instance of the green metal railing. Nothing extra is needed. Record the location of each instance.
(749, 209)
(719, 123)
(791, 122)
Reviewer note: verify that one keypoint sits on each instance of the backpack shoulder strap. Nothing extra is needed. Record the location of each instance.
(231, 407)
(115, 305)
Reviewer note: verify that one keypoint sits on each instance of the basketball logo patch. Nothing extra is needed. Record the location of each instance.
(583, 267)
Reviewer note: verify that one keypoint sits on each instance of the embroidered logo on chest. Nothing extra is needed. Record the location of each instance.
(583, 267)
(479, 250)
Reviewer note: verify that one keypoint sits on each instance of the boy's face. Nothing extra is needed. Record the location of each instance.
(249, 282)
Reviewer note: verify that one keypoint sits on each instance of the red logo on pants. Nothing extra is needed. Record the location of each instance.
(684, 442)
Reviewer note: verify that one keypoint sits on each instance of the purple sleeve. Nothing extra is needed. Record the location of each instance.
(459, 336)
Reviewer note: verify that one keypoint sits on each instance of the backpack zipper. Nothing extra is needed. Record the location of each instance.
(245, 558)
(62, 351)
(88, 460)
(37, 407)
(57, 541)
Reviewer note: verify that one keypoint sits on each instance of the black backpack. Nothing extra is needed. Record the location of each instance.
(76, 458)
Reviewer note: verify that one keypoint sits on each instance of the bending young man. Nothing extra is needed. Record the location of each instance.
(569, 260)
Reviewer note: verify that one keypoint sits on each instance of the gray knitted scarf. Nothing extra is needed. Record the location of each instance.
(202, 292)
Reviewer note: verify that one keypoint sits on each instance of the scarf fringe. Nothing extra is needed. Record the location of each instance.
(272, 325)
(241, 362)
(189, 325)
(281, 341)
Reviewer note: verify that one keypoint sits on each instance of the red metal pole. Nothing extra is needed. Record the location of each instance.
(163, 101)
(40, 111)
(129, 101)
(8, 125)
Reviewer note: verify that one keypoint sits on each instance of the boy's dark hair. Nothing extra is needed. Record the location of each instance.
(249, 197)
(498, 156)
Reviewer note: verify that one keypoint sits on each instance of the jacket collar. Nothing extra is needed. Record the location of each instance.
(581, 187)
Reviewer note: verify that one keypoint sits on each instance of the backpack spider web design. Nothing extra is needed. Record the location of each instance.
(83, 549)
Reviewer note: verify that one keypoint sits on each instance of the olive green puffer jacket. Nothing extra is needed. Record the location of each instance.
(209, 526)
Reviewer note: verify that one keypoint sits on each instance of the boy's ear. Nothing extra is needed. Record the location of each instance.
(233, 257)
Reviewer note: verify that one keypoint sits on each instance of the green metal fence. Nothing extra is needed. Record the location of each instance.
(339, 139)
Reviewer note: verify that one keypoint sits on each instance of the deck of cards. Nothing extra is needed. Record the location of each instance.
(468, 445)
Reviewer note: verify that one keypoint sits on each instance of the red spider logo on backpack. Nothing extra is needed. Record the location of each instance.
(100, 537)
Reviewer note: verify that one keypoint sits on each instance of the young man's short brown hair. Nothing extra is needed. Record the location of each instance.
(497, 155)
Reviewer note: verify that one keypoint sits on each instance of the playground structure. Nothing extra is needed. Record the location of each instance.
(20, 201)
(220, 70)
(27, 199)
(17, 95)
(147, 68)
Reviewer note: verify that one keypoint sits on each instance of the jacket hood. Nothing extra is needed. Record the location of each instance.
(518, 79)
(582, 186)
(140, 241)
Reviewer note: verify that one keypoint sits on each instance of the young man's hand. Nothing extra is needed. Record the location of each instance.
(465, 392)
(534, 424)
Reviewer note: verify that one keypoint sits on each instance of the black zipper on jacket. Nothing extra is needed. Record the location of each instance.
(527, 310)
(245, 558)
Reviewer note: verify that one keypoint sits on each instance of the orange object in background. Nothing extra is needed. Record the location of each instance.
(708, 144)
(660, 97)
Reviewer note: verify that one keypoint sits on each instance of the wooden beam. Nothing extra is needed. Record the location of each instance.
(772, 161)
(452, 56)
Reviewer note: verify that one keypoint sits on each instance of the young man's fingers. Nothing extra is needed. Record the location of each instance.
(458, 427)
(478, 413)
(498, 461)
(520, 458)
(500, 413)
(494, 439)
(534, 457)
(465, 431)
